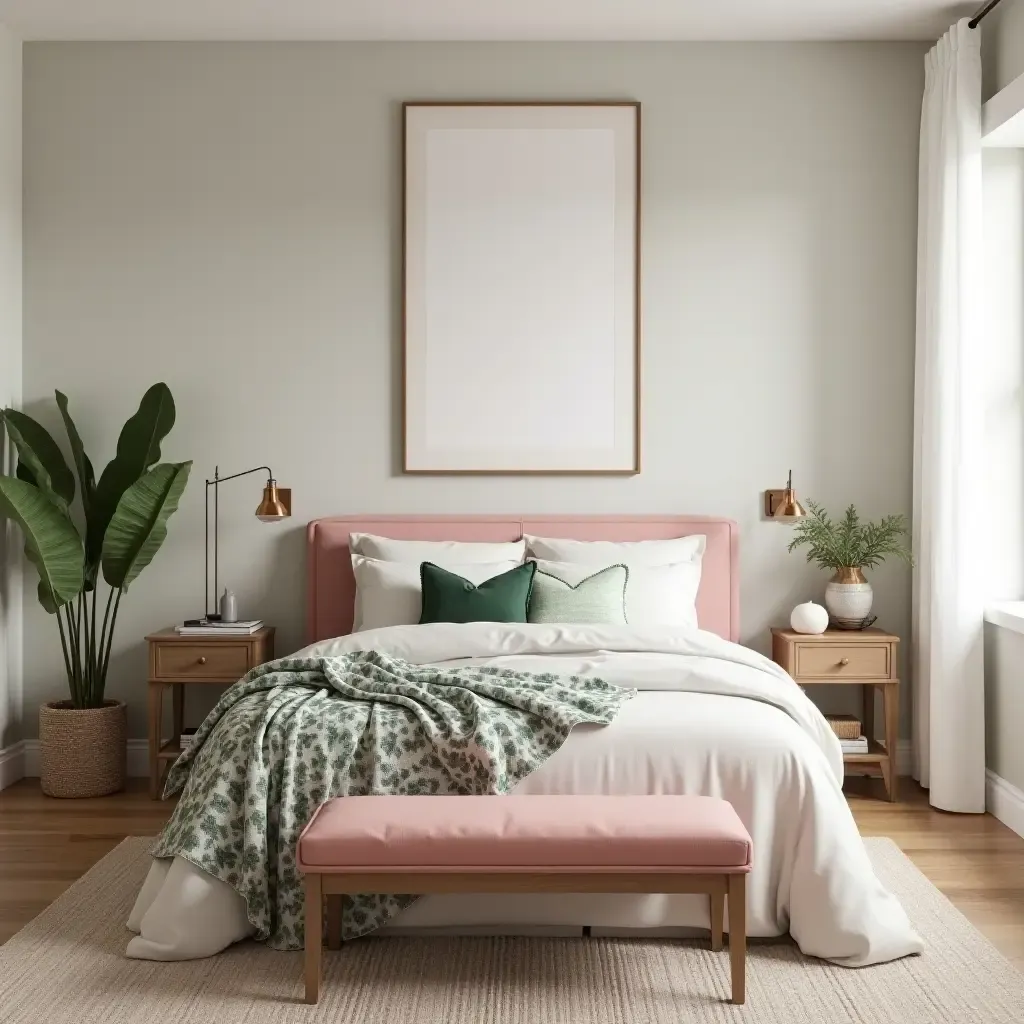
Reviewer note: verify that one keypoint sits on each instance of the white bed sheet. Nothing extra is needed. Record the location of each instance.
(711, 717)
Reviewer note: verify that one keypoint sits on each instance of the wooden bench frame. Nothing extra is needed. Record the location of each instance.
(331, 886)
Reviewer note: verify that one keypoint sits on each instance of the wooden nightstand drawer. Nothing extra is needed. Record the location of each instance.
(850, 661)
(219, 660)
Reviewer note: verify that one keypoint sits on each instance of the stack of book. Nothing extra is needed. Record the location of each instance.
(857, 746)
(847, 729)
(208, 627)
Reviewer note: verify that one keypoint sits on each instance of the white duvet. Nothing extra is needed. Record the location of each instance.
(711, 717)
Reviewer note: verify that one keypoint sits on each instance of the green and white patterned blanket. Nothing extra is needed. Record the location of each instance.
(298, 731)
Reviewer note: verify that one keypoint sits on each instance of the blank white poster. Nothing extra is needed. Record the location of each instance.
(520, 332)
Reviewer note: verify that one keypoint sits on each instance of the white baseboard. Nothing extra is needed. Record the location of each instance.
(138, 759)
(12, 764)
(22, 760)
(1005, 802)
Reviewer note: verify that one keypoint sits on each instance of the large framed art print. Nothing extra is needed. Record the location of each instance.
(521, 287)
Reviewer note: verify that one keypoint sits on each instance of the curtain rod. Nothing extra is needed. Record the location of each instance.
(982, 13)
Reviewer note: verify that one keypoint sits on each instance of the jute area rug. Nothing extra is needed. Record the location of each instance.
(68, 966)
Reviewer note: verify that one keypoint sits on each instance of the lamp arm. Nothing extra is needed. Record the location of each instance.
(215, 484)
(234, 476)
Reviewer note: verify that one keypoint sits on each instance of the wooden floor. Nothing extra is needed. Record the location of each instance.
(976, 861)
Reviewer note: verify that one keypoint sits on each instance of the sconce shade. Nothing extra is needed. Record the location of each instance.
(789, 510)
(273, 507)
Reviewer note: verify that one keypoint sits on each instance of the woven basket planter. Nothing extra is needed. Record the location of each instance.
(82, 752)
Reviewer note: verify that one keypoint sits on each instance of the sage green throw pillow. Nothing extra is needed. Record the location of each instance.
(448, 597)
(599, 599)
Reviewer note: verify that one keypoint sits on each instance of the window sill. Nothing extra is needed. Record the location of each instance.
(1008, 614)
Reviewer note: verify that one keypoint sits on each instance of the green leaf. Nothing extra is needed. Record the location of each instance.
(46, 598)
(138, 448)
(41, 457)
(86, 476)
(86, 480)
(850, 542)
(52, 544)
(139, 525)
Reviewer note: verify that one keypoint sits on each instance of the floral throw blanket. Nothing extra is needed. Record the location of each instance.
(298, 731)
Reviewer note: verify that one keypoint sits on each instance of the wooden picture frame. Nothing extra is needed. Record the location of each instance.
(521, 287)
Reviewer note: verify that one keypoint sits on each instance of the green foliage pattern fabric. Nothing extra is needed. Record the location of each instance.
(298, 731)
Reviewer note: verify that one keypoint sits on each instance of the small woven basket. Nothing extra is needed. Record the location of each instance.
(846, 727)
(82, 751)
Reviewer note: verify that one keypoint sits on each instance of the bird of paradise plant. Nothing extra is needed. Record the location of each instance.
(119, 524)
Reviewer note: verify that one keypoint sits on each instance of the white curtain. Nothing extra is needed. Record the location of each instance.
(947, 671)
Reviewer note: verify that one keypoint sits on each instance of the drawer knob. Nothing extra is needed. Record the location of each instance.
(842, 661)
(202, 660)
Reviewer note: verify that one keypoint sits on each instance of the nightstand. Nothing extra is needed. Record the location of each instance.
(866, 658)
(178, 661)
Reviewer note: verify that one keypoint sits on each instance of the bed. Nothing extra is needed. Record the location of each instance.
(709, 717)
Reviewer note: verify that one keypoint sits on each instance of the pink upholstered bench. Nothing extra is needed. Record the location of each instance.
(437, 844)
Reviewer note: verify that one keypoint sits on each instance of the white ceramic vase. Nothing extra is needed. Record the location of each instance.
(848, 596)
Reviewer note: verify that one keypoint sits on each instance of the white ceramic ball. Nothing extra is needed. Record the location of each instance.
(809, 618)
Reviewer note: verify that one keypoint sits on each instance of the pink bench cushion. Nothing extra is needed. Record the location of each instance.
(525, 833)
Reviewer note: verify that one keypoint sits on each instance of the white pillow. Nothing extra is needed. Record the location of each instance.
(439, 552)
(389, 593)
(656, 595)
(607, 552)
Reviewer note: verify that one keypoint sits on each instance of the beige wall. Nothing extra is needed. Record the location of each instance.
(226, 218)
(1002, 46)
(10, 375)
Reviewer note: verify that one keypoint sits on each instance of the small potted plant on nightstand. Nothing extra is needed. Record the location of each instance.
(122, 524)
(848, 547)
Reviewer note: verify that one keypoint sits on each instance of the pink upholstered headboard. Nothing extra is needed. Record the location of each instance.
(332, 587)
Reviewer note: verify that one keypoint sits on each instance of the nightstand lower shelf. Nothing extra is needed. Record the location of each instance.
(875, 755)
(876, 762)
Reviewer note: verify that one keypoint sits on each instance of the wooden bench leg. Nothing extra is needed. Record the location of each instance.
(717, 917)
(334, 922)
(314, 935)
(738, 936)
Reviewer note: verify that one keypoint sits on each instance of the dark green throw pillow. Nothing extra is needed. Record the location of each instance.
(448, 597)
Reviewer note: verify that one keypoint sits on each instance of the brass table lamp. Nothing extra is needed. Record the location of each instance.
(275, 506)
